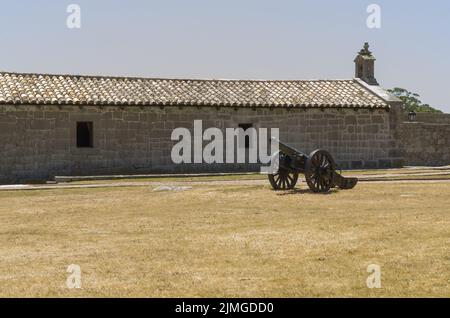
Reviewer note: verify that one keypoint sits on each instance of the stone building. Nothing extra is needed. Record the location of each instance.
(78, 125)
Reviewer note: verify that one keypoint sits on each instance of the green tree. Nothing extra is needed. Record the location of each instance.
(412, 101)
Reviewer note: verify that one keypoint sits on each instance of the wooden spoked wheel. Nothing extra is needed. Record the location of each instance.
(319, 171)
(282, 178)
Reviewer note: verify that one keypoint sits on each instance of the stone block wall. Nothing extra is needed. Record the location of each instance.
(426, 142)
(40, 142)
(431, 118)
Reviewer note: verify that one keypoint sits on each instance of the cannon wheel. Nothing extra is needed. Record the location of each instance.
(319, 171)
(282, 179)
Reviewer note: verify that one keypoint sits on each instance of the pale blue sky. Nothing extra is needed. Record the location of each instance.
(248, 39)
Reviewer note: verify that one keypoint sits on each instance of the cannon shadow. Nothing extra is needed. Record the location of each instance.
(304, 191)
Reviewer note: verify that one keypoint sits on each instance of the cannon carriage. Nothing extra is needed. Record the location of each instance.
(319, 169)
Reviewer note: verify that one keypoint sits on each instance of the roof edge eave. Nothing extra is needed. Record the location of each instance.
(379, 91)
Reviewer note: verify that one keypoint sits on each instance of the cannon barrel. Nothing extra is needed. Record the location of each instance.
(288, 150)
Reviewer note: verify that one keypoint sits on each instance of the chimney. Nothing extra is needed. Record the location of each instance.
(365, 66)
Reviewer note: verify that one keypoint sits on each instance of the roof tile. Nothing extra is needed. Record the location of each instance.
(18, 88)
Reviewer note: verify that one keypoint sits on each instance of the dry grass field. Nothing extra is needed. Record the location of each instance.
(232, 241)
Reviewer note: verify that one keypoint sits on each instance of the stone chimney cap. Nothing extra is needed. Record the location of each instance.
(365, 50)
(365, 66)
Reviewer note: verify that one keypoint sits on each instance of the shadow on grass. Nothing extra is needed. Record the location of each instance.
(304, 191)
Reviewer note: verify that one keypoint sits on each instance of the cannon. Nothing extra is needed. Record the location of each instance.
(319, 169)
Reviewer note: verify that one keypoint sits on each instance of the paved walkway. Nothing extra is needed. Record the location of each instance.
(360, 173)
(406, 175)
(409, 175)
(383, 178)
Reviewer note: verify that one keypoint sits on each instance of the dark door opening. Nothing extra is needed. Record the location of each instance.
(247, 137)
(85, 134)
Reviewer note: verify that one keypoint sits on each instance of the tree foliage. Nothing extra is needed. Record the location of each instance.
(412, 101)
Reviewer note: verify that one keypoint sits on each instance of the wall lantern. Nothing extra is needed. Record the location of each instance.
(412, 116)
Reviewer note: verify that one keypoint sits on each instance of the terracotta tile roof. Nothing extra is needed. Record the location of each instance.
(45, 89)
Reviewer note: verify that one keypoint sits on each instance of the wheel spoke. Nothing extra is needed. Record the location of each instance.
(324, 161)
(279, 182)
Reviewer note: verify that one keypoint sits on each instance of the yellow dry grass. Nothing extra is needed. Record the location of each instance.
(233, 241)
